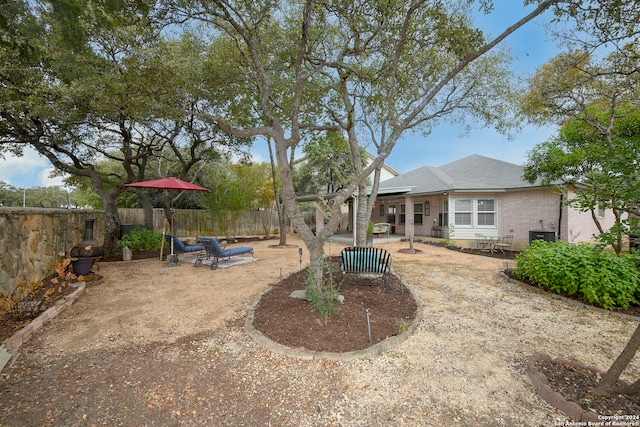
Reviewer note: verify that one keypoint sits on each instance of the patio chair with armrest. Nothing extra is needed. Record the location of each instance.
(504, 243)
(485, 243)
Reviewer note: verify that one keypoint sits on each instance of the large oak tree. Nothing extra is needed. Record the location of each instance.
(89, 82)
(371, 69)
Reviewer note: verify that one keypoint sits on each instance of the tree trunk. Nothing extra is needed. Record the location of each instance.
(618, 245)
(363, 216)
(168, 211)
(112, 226)
(313, 242)
(316, 267)
(266, 222)
(147, 209)
(282, 220)
(609, 383)
(365, 207)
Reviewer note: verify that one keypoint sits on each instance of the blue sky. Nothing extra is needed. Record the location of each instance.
(531, 47)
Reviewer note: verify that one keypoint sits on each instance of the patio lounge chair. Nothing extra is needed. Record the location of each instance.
(180, 247)
(214, 249)
(177, 247)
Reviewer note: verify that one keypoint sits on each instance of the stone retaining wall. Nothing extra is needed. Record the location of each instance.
(31, 239)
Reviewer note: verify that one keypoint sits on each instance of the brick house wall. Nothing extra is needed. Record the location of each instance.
(522, 211)
(581, 226)
(518, 212)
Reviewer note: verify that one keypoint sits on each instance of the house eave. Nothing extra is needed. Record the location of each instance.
(448, 191)
(316, 197)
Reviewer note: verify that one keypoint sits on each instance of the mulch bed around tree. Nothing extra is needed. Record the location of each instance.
(293, 323)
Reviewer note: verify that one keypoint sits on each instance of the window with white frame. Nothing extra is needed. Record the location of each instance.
(402, 219)
(475, 212)
(486, 212)
(463, 212)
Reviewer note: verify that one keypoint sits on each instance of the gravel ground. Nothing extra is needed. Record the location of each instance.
(165, 346)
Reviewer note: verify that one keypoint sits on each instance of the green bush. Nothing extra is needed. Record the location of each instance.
(141, 240)
(594, 276)
(323, 301)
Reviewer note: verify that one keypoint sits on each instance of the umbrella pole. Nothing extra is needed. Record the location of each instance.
(173, 259)
(173, 234)
(164, 227)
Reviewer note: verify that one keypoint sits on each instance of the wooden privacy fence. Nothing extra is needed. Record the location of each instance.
(193, 223)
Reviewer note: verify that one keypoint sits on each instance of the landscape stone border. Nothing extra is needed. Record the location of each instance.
(9, 349)
(369, 352)
(556, 399)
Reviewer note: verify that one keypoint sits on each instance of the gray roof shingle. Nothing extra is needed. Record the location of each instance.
(473, 172)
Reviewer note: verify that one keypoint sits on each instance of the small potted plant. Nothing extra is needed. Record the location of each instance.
(370, 235)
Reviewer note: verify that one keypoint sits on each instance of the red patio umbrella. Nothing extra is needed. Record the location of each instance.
(168, 184)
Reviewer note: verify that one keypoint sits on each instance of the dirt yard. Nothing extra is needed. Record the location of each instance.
(165, 346)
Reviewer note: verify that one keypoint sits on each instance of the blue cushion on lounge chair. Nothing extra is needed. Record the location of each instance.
(213, 246)
(179, 247)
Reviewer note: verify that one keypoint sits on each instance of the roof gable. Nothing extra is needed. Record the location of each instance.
(473, 172)
(480, 172)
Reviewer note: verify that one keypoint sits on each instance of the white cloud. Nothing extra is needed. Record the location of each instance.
(47, 181)
(258, 158)
(29, 170)
(29, 161)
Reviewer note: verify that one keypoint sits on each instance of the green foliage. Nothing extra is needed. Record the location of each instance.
(596, 101)
(448, 241)
(402, 327)
(323, 301)
(581, 154)
(327, 166)
(141, 240)
(235, 188)
(594, 276)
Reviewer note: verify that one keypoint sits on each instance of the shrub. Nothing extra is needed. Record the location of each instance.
(141, 240)
(594, 276)
(323, 301)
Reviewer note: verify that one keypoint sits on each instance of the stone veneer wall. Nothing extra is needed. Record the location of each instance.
(31, 239)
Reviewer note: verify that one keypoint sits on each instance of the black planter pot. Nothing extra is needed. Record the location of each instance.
(82, 266)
